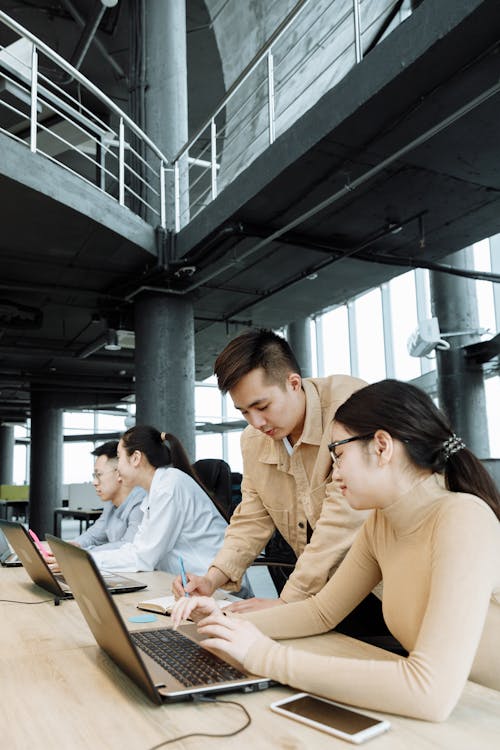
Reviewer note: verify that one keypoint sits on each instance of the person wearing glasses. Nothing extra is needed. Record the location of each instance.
(179, 519)
(122, 514)
(287, 475)
(434, 539)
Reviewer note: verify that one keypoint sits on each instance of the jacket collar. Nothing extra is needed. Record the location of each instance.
(274, 452)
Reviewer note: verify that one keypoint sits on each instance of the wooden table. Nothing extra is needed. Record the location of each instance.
(60, 690)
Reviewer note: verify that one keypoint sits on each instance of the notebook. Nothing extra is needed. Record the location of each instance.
(40, 573)
(136, 653)
(164, 605)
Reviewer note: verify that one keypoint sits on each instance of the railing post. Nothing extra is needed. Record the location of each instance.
(270, 86)
(163, 212)
(34, 98)
(177, 197)
(213, 156)
(121, 163)
(357, 31)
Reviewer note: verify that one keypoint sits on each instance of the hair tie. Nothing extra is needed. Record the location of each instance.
(452, 445)
(163, 436)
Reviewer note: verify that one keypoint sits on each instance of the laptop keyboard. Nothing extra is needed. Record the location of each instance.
(183, 658)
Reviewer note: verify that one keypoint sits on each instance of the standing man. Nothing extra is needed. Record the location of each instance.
(287, 470)
(122, 512)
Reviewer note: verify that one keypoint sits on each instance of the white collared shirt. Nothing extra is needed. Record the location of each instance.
(179, 520)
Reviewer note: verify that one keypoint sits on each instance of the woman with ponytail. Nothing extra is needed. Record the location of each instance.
(433, 539)
(179, 518)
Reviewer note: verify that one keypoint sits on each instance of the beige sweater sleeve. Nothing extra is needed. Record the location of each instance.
(428, 683)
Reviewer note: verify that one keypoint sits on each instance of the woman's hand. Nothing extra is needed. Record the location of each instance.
(195, 607)
(229, 636)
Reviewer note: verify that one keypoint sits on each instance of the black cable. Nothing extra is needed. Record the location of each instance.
(14, 601)
(206, 734)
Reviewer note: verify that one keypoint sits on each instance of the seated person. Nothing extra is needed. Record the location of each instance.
(122, 512)
(434, 538)
(180, 519)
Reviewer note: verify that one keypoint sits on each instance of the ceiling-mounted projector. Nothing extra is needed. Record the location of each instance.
(426, 338)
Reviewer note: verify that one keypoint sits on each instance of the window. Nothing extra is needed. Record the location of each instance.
(370, 336)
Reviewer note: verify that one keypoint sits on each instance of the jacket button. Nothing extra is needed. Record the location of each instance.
(301, 525)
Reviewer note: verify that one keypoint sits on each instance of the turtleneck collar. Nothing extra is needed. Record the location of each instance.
(412, 508)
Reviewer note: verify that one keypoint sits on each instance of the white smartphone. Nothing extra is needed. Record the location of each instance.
(331, 717)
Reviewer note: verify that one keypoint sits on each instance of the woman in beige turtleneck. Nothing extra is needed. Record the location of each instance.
(434, 539)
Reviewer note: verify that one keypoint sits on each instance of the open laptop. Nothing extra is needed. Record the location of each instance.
(40, 573)
(8, 558)
(138, 653)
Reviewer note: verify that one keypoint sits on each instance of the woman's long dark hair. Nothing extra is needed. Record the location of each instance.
(163, 449)
(410, 415)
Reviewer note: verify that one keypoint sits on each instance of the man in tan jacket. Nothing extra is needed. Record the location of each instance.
(287, 470)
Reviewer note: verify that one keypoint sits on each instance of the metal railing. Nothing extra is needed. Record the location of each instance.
(84, 132)
(304, 58)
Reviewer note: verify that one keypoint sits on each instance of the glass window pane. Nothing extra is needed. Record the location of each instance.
(484, 289)
(492, 392)
(209, 446)
(234, 458)
(78, 421)
(111, 422)
(335, 342)
(78, 463)
(403, 323)
(20, 473)
(370, 336)
(208, 405)
(314, 353)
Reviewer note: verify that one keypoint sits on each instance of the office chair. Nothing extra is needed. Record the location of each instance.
(215, 475)
(224, 487)
(278, 556)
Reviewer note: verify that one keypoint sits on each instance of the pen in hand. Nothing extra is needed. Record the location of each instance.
(183, 576)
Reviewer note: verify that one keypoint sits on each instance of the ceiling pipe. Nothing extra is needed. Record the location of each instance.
(88, 34)
(95, 40)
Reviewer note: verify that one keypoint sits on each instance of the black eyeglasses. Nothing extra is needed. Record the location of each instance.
(98, 475)
(332, 446)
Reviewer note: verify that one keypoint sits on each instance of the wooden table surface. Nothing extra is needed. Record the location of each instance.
(59, 690)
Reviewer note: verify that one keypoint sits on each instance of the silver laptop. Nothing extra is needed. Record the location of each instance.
(167, 664)
(40, 573)
(8, 557)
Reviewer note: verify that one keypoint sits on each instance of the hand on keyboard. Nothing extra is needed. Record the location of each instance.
(196, 607)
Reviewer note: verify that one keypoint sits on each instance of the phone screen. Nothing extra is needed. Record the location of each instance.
(336, 717)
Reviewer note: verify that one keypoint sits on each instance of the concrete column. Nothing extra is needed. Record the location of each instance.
(164, 366)
(46, 462)
(166, 74)
(6, 454)
(299, 337)
(460, 385)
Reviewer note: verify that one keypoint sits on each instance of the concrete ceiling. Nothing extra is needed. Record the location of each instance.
(397, 166)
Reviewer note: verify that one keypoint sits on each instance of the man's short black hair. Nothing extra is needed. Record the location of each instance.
(109, 449)
(252, 349)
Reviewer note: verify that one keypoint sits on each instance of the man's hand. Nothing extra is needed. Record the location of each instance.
(251, 605)
(196, 585)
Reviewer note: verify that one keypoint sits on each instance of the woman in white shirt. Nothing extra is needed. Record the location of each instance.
(180, 519)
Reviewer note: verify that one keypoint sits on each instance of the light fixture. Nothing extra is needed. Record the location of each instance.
(112, 344)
